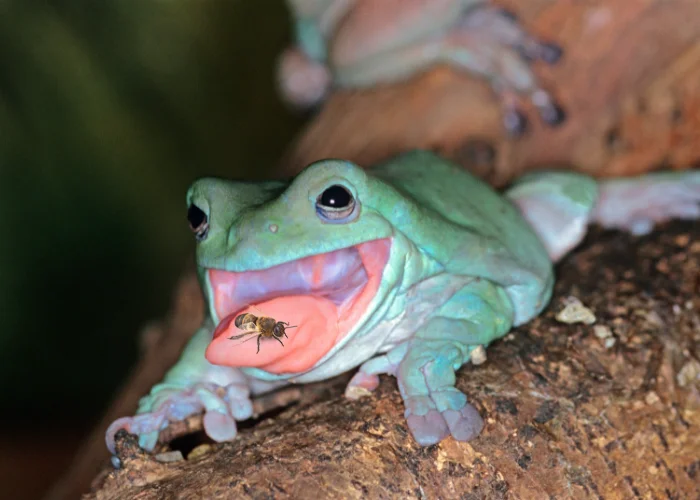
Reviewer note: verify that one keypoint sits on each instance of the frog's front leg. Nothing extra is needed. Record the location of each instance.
(425, 366)
(435, 408)
(192, 386)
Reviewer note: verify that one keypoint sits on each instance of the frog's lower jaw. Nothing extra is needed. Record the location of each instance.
(323, 296)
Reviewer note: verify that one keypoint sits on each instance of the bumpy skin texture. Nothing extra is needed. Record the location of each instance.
(429, 264)
(362, 43)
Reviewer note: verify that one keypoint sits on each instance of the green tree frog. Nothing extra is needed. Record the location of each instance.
(363, 43)
(403, 269)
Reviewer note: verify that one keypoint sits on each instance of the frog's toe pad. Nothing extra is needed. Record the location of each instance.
(515, 122)
(219, 426)
(553, 115)
(464, 424)
(361, 384)
(428, 429)
(550, 52)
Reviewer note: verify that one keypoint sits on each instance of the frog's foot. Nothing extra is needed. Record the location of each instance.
(491, 43)
(303, 82)
(222, 406)
(637, 205)
(435, 408)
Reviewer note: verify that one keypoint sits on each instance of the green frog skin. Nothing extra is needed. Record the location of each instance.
(402, 269)
(355, 44)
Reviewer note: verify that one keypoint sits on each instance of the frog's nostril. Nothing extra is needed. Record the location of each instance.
(273, 228)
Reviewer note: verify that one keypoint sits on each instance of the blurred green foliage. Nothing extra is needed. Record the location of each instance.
(108, 110)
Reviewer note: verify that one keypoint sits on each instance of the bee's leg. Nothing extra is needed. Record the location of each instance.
(258, 344)
(278, 340)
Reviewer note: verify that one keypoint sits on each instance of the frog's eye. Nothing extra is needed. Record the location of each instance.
(336, 204)
(199, 223)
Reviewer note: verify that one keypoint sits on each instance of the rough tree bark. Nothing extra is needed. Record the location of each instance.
(609, 410)
(627, 82)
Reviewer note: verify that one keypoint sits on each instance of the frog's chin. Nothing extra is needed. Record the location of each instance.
(323, 296)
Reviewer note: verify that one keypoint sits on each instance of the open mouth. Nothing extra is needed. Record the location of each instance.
(323, 295)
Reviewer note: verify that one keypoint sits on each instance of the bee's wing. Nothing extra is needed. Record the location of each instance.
(250, 331)
(251, 338)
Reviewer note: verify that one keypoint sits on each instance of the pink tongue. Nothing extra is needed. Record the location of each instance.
(317, 331)
(323, 295)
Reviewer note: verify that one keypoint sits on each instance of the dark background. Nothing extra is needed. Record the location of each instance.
(108, 110)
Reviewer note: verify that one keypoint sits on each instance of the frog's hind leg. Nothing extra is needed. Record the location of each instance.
(637, 204)
(558, 207)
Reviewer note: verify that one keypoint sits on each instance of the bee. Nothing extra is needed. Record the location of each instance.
(260, 326)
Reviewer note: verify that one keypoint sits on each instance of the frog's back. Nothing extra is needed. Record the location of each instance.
(492, 239)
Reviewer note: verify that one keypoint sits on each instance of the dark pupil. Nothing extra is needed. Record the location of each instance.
(196, 216)
(335, 197)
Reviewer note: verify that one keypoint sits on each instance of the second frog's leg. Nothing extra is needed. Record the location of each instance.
(490, 42)
(487, 43)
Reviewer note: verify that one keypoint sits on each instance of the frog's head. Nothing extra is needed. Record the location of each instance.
(311, 252)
